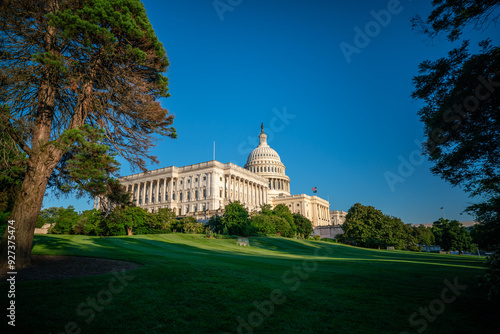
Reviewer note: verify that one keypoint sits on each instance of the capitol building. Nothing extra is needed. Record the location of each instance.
(204, 189)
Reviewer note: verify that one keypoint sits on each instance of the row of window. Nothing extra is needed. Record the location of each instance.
(266, 169)
(188, 196)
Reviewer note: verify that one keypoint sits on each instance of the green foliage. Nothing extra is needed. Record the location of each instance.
(215, 224)
(166, 219)
(262, 224)
(316, 237)
(366, 226)
(486, 234)
(4, 218)
(64, 221)
(47, 216)
(492, 276)
(283, 227)
(12, 165)
(235, 219)
(451, 235)
(90, 223)
(281, 210)
(190, 225)
(88, 166)
(460, 114)
(424, 236)
(304, 225)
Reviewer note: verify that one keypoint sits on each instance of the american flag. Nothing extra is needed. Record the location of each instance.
(315, 190)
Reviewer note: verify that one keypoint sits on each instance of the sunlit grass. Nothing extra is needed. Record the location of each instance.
(190, 284)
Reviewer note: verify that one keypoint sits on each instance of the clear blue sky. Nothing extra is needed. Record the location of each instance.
(348, 123)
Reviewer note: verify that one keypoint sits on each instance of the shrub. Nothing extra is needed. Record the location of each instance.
(262, 224)
(303, 225)
(492, 276)
(64, 220)
(282, 226)
(316, 237)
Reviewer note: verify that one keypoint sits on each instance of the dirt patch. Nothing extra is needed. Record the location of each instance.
(49, 267)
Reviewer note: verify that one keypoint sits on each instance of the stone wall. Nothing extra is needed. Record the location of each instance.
(329, 231)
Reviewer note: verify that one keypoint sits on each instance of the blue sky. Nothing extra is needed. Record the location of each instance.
(339, 123)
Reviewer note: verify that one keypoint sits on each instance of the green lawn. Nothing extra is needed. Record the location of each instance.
(190, 284)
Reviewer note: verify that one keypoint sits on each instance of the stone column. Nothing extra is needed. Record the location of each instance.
(171, 189)
(143, 193)
(157, 200)
(164, 195)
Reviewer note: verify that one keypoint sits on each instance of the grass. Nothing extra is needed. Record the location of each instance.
(190, 284)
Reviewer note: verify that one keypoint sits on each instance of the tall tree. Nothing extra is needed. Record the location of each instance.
(451, 235)
(461, 111)
(303, 225)
(67, 63)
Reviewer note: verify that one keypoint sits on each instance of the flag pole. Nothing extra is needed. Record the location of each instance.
(444, 213)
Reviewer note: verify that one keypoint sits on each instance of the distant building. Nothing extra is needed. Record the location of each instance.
(204, 189)
(337, 217)
(467, 224)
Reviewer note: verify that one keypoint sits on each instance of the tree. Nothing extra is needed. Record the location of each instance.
(262, 223)
(366, 226)
(451, 235)
(127, 221)
(423, 235)
(359, 226)
(166, 218)
(12, 167)
(215, 224)
(282, 226)
(282, 211)
(90, 223)
(65, 64)
(235, 219)
(460, 92)
(64, 220)
(190, 225)
(304, 225)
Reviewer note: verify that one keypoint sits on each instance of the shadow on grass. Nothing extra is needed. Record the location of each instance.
(149, 249)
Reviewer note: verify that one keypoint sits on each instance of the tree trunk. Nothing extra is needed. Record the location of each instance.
(27, 208)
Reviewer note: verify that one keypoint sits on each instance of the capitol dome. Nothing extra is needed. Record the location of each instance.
(266, 162)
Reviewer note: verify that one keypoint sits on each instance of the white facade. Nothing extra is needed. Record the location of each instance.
(204, 189)
(206, 186)
(337, 217)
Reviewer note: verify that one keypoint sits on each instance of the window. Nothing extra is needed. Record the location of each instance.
(221, 178)
(173, 197)
(297, 204)
(196, 180)
(196, 194)
(204, 193)
(189, 181)
(189, 196)
(204, 178)
(181, 182)
(180, 196)
(220, 193)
